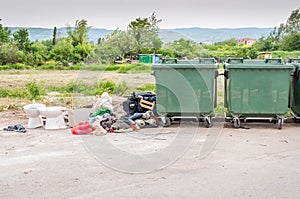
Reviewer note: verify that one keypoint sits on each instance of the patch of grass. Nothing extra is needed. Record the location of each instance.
(106, 86)
(4, 93)
(5, 67)
(220, 109)
(97, 68)
(125, 68)
(121, 88)
(87, 89)
(147, 87)
(16, 93)
(142, 68)
(50, 67)
(121, 68)
(17, 66)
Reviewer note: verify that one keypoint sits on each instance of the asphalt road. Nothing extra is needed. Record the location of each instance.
(182, 161)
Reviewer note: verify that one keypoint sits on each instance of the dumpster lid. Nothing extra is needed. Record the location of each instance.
(169, 61)
(207, 61)
(256, 64)
(184, 66)
(293, 61)
(254, 61)
(274, 61)
(260, 66)
(234, 61)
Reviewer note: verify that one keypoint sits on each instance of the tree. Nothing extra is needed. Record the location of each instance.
(291, 42)
(54, 40)
(293, 22)
(37, 55)
(4, 34)
(79, 38)
(79, 33)
(281, 34)
(116, 44)
(186, 48)
(144, 33)
(253, 52)
(264, 44)
(141, 37)
(9, 54)
(21, 38)
(229, 42)
(63, 52)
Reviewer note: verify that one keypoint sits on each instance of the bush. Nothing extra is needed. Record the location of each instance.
(17, 93)
(33, 89)
(4, 93)
(5, 67)
(106, 86)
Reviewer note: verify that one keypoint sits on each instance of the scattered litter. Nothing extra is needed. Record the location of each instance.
(103, 120)
(82, 128)
(18, 128)
(27, 171)
(105, 101)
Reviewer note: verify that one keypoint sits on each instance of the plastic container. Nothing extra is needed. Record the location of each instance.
(82, 128)
(257, 90)
(295, 91)
(185, 89)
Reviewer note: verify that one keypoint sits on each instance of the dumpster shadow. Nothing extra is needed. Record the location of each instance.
(261, 125)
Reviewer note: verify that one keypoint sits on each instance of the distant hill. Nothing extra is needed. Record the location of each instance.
(207, 35)
(47, 33)
(216, 35)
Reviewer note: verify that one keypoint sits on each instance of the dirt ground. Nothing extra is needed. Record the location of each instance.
(185, 160)
(18, 78)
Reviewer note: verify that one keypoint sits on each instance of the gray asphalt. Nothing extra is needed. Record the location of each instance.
(183, 161)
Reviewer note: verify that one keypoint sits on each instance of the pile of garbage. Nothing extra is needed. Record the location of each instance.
(139, 112)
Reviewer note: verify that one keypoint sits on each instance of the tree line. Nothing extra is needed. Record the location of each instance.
(285, 37)
(140, 37)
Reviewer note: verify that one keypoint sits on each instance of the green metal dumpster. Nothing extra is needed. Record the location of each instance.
(257, 90)
(295, 88)
(185, 89)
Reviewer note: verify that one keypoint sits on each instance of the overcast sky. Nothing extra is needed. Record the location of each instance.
(111, 14)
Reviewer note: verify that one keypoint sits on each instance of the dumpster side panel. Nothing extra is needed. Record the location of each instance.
(258, 91)
(296, 96)
(183, 91)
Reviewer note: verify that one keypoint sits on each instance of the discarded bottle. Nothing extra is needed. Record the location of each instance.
(82, 128)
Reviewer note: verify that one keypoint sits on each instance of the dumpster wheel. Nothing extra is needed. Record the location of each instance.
(236, 122)
(279, 123)
(208, 122)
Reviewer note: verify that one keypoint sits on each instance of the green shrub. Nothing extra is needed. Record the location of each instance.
(106, 86)
(74, 67)
(33, 89)
(16, 93)
(20, 66)
(5, 67)
(4, 93)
